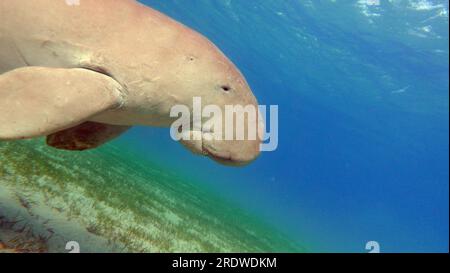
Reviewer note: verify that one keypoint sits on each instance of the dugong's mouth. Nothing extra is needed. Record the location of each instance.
(222, 157)
(231, 153)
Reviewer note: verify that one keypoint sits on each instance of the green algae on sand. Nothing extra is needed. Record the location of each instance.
(110, 201)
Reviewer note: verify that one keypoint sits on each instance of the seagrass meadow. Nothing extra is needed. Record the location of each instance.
(109, 201)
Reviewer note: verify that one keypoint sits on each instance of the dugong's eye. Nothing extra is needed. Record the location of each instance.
(225, 88)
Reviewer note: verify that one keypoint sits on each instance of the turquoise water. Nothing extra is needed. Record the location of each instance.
(362, 91)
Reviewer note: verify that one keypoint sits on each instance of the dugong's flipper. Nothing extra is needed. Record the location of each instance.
(85, 136)
(39, 101)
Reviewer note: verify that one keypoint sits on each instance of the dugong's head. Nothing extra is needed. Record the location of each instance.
(200, 70)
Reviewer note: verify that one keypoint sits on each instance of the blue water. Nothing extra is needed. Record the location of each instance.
(364, 111)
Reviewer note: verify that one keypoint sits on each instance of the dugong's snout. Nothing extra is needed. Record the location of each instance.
(227, 152)
(232, 153)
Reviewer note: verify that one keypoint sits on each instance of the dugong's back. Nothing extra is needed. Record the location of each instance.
(67, 35)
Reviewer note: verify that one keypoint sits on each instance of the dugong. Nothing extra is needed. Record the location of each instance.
(82, 72)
